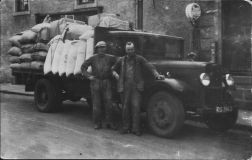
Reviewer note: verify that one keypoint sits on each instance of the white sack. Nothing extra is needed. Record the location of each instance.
(81, 54)
(63, 58)
(49, 58)
(28, 37)
(76, 30)
(71, 59)
(88, 34)
(90, 51)
(90, 48)
(37, 28)
(44, 35)
(56, 57)
(55, 28)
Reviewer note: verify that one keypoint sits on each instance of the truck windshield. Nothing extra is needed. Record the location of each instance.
(159, 48)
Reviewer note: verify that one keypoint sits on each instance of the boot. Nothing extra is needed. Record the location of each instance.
(124, 131)
(137, 133)
(97, 126)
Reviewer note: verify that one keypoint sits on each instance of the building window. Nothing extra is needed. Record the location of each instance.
(80, 2)
(22, 5)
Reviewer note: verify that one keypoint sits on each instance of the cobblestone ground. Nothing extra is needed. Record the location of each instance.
(26, 133)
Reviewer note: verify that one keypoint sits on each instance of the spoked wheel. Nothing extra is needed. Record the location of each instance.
(47, 96)
(165, 114)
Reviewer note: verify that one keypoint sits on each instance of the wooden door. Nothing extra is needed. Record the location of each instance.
(236, 36)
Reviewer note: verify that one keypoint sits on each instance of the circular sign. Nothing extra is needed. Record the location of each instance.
(193, 11)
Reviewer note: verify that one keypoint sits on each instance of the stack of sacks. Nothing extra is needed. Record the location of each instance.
(47, 31)
(29, 48)
(30, 56)
(24, 47)
(15, 53)
(25, 37)
(66, 58)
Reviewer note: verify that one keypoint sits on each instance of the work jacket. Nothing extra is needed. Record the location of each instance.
(101, 66)
(140, 65)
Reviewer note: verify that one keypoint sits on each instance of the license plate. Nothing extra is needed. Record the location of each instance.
(224, 109)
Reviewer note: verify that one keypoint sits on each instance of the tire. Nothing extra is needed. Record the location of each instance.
(165, 114)
(47, 96)
(75, 99)
(222, 122)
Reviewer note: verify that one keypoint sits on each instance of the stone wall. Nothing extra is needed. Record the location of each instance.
(9, 26)
(125, 8)
(208, 29)
(168, 17)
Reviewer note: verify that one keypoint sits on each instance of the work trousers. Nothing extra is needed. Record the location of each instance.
(102, 100)
(131, 98)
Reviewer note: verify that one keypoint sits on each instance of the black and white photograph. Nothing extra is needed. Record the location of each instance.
(126, 79)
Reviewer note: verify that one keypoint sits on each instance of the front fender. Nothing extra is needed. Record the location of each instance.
(173, 85)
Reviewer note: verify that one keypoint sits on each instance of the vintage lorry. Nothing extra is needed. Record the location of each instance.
(190, 88)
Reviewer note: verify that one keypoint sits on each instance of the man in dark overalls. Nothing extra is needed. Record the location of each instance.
(130, 85)
(100, 83)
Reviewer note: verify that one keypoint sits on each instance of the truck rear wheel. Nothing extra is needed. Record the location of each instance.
(165, 114)
(47, 96)
(222, 122)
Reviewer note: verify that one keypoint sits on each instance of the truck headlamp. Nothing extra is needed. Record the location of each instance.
(229, 80)
(205, 79)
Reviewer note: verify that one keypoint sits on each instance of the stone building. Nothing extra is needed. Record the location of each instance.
(222, 34)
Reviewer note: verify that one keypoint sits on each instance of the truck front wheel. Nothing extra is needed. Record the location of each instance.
(165, 114)
(47, 96)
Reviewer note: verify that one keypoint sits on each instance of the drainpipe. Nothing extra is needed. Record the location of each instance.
(139, 14)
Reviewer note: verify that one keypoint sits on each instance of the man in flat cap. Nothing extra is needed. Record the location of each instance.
(130, 85)
(100, 84)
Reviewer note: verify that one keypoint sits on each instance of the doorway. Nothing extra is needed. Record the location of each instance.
(236, 36)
